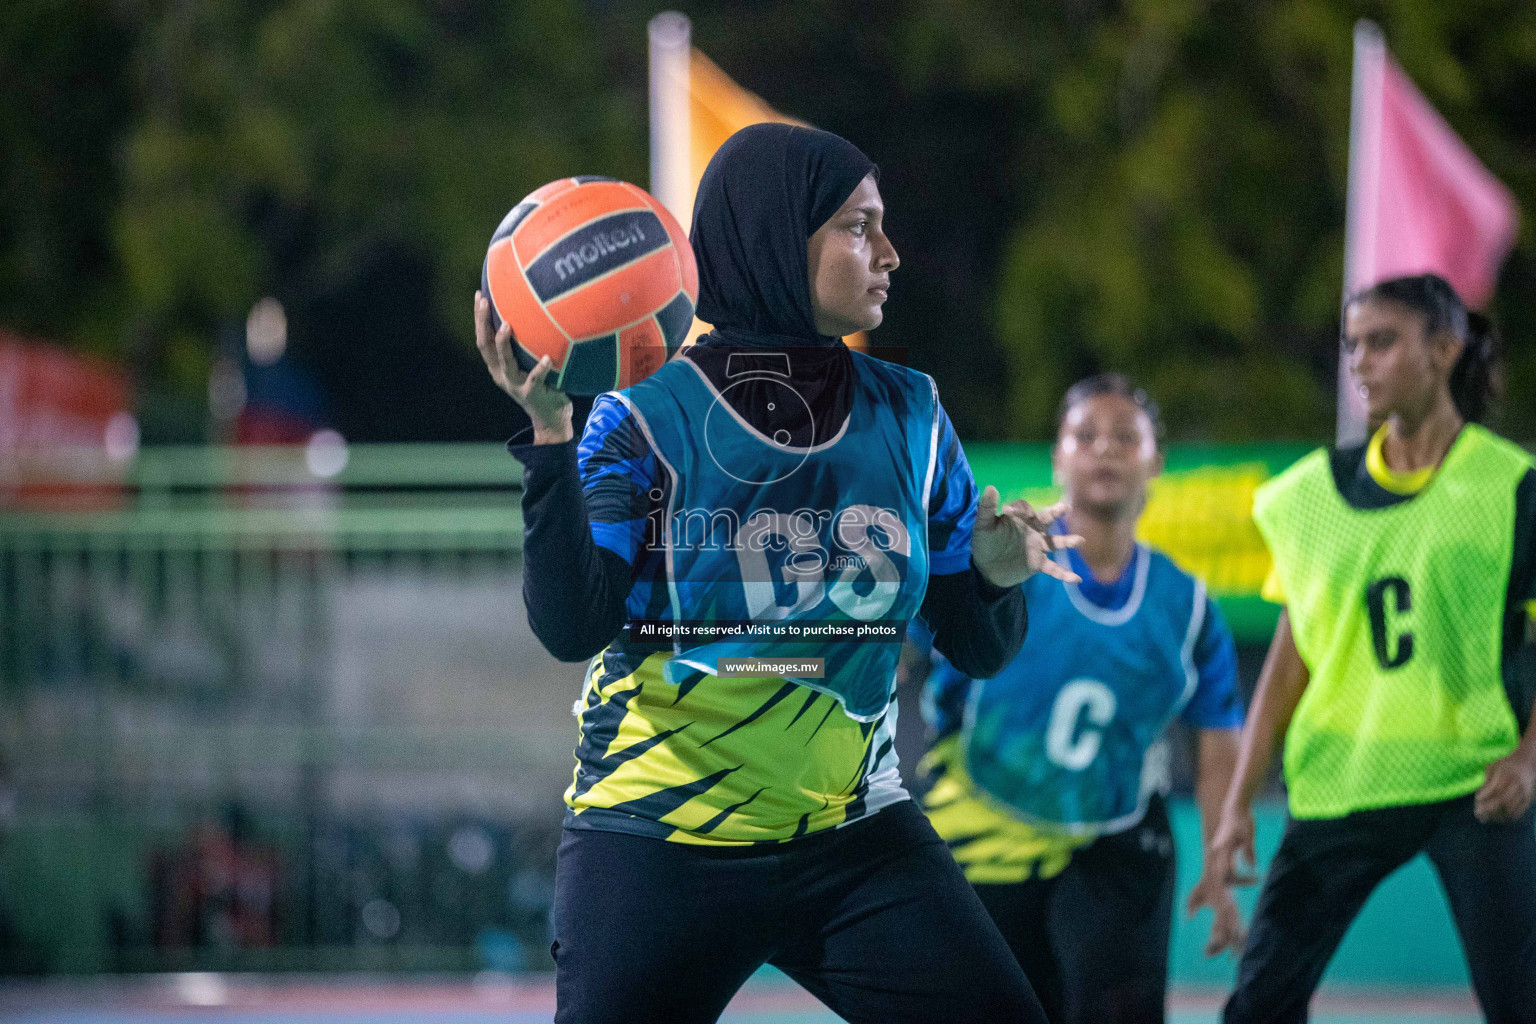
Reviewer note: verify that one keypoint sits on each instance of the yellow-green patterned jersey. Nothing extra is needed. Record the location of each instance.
(722, 761)
(992, 845)
(1405, 608)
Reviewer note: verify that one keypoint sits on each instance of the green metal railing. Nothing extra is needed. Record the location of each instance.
(168, 632)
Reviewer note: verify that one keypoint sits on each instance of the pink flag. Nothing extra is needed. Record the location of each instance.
(1419, 200)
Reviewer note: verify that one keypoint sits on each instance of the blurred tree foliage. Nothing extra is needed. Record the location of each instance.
(1182, 190)
(350, 157)
(64, 112)
(1151, 185)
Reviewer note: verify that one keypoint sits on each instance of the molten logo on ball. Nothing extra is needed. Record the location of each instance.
(603, 244)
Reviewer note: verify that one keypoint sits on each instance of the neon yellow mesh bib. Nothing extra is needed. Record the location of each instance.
(1397, 613)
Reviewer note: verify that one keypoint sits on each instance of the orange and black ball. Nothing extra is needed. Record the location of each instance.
(597, 275)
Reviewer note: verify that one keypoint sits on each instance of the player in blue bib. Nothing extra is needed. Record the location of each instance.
(767, 476)
(1048, 780)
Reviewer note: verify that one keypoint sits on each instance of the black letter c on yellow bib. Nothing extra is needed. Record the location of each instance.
(1375, 600)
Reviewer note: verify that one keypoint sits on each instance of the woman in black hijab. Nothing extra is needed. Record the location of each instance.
(717, 823)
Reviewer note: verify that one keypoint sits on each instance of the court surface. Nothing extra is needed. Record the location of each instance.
(492, 999)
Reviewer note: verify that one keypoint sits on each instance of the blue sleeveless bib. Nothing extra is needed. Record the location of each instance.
(759, 530)
(1068, 734)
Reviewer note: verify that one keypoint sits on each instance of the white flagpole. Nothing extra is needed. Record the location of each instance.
(1361, 205)
(671, 151)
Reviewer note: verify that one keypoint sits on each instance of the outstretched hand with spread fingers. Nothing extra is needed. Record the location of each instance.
(549, 409)
(1012, 543)
(1229, 856)
(1227, 921)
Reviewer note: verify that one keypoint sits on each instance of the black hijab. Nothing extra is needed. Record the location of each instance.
(765, 192)
(763, 195)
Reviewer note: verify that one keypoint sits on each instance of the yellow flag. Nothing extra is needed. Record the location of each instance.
(717, 109)
(695, 107)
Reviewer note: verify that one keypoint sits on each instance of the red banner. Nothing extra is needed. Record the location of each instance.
(65, 426)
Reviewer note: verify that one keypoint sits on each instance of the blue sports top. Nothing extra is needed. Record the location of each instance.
(756, 529)
(1068, 736)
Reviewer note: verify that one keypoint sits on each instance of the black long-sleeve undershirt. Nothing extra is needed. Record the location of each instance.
(575, 590)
